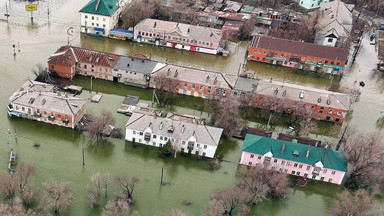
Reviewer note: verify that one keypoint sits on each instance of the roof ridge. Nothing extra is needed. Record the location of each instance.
(142, 115)
(205, 126)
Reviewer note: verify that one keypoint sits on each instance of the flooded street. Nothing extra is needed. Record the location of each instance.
(192, 180)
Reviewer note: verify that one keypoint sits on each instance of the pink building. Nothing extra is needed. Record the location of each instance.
(179, 36)
(293, 158)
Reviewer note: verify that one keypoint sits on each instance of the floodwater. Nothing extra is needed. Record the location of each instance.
(59, 156)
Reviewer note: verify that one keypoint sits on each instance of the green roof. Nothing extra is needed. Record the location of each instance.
(105, 7)
(295, 152)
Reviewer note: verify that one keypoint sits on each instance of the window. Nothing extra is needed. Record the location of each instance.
(106, 70)
(305, 175)
(302, 58)
(154, 136)
(260, 51)
(100, 69)
(330, 111)
(59, 116)
(332, 63)
(282, 162)
(301, 166)
(85, 66)
(324, 171)
(293, 172)
(298, 173)
(322, 178)
(265, 52)
(193, 86)
(333, 172)
(259, 157)
(258, 58)
(97, 24)
(250, 163)
(308, 167)
(154, 143)
(275, 161)
(161, 137)
(285, 170)
(183, 142)
(252, 156)
(288, 163)
(204, 154)
(314, 176)
(104, 19)
(165, 138)
(263, 59)
(282, 54)
(185, 84)
(93, 17)
(86, 17)
(295, 165)
(330, 40)
(205, 146)
(330, 180)
(182, 149)
(339, 113)
(141, 133)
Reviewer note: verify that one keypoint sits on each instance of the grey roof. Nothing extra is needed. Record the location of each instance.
(335, 18)
(32, 86)
(51, 102)
(180, 29)
(137, 65)
(203, 134)
(131, 100)
(310, 95)
(246, 84)
(197, 76)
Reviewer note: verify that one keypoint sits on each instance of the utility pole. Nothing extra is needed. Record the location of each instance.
(14, 49)
(90, 90)
(6, 12)
(83, 156)
(162, 172)
(48, 11)
(69, 33)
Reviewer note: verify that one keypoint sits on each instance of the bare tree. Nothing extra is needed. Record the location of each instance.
(246, 104)
(260, 183)
(57, 196)
(166, 88)
(85, 44)
(16, 208)
(365, 155)
(8, 187)
(247, 29)
(118, 207)
(230, 199)
(345, 133)
(127, 185)
(173, 212)
(42, 73)
(94, 192)
(137, 11)
(271, 107)
(227, 116)
(97, 124)
(359, 203)
(306, 126)
(23, 175)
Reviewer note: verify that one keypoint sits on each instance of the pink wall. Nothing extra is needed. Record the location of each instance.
(301, 168)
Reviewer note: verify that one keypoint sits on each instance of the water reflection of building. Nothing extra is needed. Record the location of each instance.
(295, 159)
(186, 134)
(179, 36)
(37, 101)
(297, 54)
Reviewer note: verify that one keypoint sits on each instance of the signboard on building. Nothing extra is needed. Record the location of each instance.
(31, 7)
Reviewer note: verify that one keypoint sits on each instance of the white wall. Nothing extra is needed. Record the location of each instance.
(330, 43)
(99, 21)
(162, 140)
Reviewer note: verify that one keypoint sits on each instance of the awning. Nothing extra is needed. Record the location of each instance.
(276, 59)
(98, 29)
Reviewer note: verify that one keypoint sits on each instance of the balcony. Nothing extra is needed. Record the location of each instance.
(147, 136)
(66, 120)
(315, 172)
(51, 118)
(37, 115)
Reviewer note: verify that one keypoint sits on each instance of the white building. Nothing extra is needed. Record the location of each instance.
(187, 136)
(100, 16)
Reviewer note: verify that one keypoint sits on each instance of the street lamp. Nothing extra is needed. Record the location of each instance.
(69, 33)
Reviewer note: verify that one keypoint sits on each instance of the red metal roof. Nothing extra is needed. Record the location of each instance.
(69, 56)
(300, 48)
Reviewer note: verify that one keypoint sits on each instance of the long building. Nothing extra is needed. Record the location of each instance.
(37, 101)
(296, 54)
(295, 159)
(318, 103)
(179, 36)
(185, 135)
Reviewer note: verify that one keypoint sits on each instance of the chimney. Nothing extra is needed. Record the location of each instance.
(282, 149)
(161, 125)
(207, 80)
(182, 129)
(211, 34)
(176, 73)
(132, 59)
(142, 60)
(127, 65)
(154, 25)
(307, 155)
(270, 80)
(215, 81)
(189, 30)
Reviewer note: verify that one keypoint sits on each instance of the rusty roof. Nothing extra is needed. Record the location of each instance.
(68, 56)
(300, 48)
